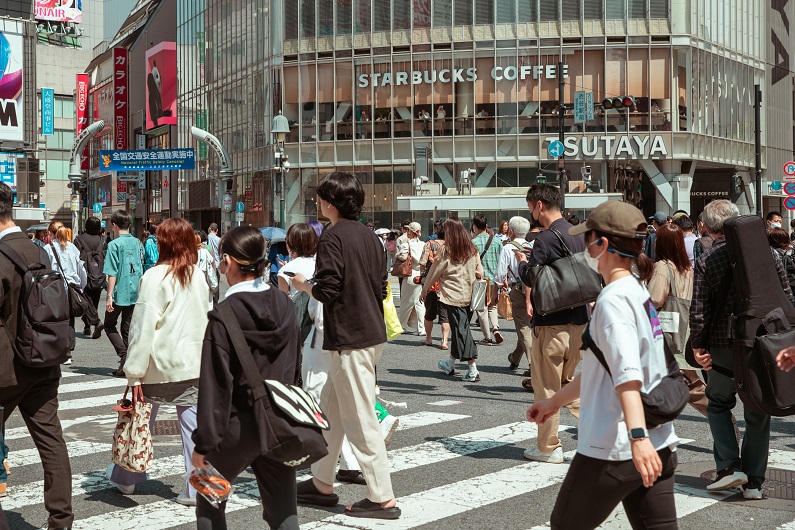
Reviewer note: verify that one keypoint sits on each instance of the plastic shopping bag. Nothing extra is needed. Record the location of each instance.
(210, 484)
(393, 327)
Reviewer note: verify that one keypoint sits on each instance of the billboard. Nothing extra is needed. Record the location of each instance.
(120, 97)
(12, 115)
(147, 160)
(60, 10)
(161, 85)
(81, 94)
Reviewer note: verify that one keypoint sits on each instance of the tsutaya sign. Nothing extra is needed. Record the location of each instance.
(614, 146)
(461, 75)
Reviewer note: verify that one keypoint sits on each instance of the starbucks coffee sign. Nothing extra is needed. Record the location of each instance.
(614, 146)
(461, 75)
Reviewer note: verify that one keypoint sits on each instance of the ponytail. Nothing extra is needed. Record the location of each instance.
(61, 233)
(631, 248)
(644, 267)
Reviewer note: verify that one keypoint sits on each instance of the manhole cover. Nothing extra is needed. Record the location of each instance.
(779, 483)
(165, 427)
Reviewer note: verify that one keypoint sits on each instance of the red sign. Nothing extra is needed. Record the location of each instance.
(82, 113)
(789, 203)
(121, 187)
(120, 98)
(789, 188)
(789, 169)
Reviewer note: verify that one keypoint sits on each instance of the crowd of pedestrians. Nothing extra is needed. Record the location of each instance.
(666, 283)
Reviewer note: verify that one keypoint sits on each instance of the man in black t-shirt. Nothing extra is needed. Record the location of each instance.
(558, 336)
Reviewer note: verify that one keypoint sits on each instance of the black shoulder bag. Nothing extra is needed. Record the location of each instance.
(565, 283)
(289, 421)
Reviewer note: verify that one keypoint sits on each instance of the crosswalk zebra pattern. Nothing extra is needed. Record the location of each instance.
(438, 467)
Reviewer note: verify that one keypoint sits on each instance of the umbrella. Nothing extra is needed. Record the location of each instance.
(37, 227)
(382, 231)
(272, 233)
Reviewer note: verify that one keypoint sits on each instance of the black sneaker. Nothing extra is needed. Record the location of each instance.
(727, 479)
(486, 342)
(98, 331)
(87, 331)
(351, 477)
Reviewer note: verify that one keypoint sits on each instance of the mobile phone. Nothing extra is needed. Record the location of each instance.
(288, 274)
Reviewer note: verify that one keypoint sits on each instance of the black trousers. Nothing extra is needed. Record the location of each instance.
(462, 345)
(92, 319)
(593, 488)
(276, 482)
(36, 395)
(119, 340)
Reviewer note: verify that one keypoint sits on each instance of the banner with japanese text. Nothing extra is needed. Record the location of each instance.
(147, 160)
(120, 98)
(47, 111)
(81, 95)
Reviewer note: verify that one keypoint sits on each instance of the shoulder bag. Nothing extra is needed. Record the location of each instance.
(566, 283)
(78, 301)
(674, 317)
(402, 267)
(289, 421)
(132, 439)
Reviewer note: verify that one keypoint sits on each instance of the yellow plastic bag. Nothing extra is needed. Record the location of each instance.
(393, 327)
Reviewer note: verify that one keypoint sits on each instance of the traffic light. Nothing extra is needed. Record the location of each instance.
(623, 102)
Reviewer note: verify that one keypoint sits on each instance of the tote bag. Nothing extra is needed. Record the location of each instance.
(675, 319)
(479, 289)
(132, 440)
(393, 327)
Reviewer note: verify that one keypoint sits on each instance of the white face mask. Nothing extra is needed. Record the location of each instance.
(593, 262)
(775, 225)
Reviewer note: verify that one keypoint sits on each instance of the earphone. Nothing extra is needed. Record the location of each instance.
(599, 242)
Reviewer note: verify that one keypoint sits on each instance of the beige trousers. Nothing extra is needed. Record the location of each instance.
(348, 400)
(556, 354)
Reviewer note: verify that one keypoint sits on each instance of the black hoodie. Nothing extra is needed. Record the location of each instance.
(268, 323)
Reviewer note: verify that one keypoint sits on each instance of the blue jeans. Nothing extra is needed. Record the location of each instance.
(3, 474)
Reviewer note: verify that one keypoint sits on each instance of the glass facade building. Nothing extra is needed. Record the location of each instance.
(381, 88)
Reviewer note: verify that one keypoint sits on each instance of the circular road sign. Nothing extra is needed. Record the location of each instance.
(97, 207)
(776, 185)
(789, 169)
(240, 207)
(789, 188)
(789, 203)
(227, 203)
(555, 149)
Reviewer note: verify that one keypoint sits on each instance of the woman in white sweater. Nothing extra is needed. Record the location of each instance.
(166, 337)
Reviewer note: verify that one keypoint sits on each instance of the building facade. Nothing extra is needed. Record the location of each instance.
(400, 89)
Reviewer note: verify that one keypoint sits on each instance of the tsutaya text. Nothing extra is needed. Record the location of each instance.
(461, 75)
(614, 146)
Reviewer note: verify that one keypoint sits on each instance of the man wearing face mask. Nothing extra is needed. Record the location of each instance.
(557, 336)
(774, 220)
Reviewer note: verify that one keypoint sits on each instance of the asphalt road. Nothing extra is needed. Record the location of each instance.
(457, 461)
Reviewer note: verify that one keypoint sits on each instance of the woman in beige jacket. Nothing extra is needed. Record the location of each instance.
(457, 268)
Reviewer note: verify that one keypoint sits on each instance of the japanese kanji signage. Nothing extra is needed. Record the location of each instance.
(147, 160)
(81, 95)
(120, 98)
(47, 111)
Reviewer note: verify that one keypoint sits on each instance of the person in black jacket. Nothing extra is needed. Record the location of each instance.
(227, 433)
(91, 241)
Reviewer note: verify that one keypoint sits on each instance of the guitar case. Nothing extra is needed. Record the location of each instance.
(763, 322)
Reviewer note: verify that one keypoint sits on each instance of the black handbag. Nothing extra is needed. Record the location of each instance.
(79, 303)
(666, 400)
(566, 283)
(289, 421)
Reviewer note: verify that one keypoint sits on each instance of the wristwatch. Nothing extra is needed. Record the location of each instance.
(637, 434)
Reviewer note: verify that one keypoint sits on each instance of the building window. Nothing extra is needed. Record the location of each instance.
(291, 20)
(506, 11)
(402, 14)
(658, 8)
(463, 12)
(382, 19)
(343, 17)
(549, 10)
(308, 18)
(442, 15)
(614, 9)
(362, 15)
(528, 10)
(325, 18)
(637, 8)
(484, 12)
(571, 9)
(592, 9)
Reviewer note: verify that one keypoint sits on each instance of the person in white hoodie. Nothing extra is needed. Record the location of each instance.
(166, 338)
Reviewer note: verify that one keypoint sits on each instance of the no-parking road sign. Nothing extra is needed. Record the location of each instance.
(789, 188)
(789, 203)
(789, 169)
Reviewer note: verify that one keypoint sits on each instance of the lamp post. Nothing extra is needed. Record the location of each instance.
(75, 173)
(226, 173)
(280, 128)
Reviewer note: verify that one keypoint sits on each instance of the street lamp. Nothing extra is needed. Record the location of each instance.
(225, 169)
(280, 128)
(75, 173)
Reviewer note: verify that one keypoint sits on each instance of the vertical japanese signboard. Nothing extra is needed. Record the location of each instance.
(120, 98)
(81, 94)
(47, 111)
(12, 100)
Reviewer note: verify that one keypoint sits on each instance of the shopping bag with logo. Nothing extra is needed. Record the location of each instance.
(504, 308)
(132, 441)
(393, 327)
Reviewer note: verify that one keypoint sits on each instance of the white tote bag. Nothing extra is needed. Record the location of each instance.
(479, 289)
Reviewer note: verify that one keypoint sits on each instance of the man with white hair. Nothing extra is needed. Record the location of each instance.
(713, 303)
(508, 276)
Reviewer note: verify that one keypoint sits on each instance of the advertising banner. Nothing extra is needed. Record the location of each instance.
(147, 160)
(12, 116)
(8, 170)
(81, 95)
(47, 111)
(60, 10)
(120, 98)
(161, 85)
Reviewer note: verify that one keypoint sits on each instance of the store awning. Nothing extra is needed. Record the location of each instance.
(485, 203)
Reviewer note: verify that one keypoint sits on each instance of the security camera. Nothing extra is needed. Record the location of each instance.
(585, 171)
(286, 164)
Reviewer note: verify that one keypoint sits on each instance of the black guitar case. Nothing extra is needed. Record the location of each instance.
(763, 322)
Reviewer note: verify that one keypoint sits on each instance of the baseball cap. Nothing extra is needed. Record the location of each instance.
(660, 217)
(615, 218)
(415, 227)
(678, 215)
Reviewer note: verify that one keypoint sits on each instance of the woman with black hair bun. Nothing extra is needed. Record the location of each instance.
(227, 435)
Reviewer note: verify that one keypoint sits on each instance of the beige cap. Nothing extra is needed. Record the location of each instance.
(415, 227)
(615, 218)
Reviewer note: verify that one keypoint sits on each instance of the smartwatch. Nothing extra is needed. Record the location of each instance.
(637, 434)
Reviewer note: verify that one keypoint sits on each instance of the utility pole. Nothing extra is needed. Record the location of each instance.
(561, 125)
(758, 142)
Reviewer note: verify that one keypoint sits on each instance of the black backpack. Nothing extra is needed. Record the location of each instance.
(95, 263)
(44, 337)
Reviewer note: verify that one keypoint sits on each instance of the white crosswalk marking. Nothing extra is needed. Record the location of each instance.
(26, 457)
(422, 419)
(89, 386)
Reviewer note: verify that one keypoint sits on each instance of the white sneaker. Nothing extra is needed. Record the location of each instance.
(127, 490)
(728, 479)
(555, 457)
(388, 427)
(185, 500)
(67, 362)
(752, 494)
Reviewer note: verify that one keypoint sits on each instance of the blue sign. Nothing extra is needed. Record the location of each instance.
(589, 115)
(775, 185)
(147, 160)
(102, 223)
(789, 188)
(240, 207)
(789, 203)
(8, 171)
(97, 207)
(555, 149)
(579, 107)
(47, 111)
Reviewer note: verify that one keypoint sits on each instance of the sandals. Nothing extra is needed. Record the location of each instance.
(527, 384)
(309, 494)
(443, 347)
(372, 510)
